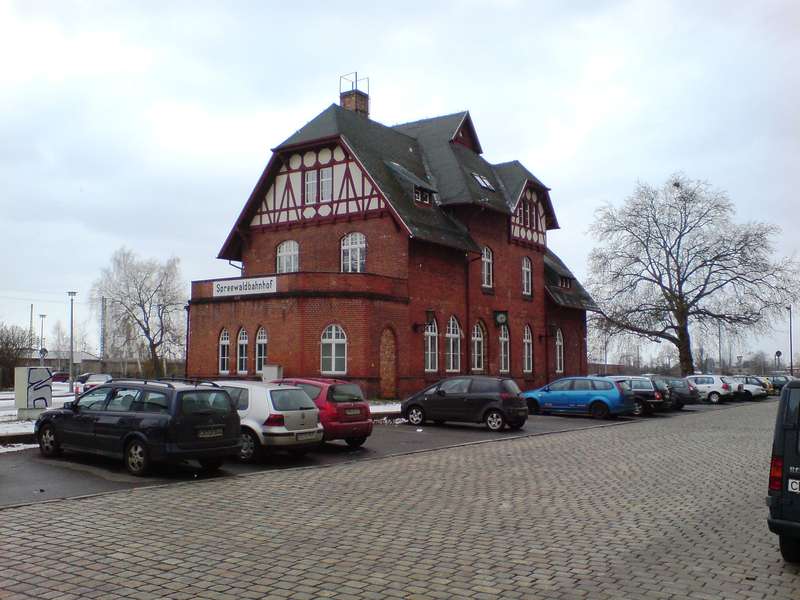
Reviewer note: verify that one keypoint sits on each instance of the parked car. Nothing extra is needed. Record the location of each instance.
(86, 381)
(495, 401)
(344, 412)
(712, 388)
(144, 422)
(274, 417)
(682, 392)
(59, 377)
(778, 381)
(749, 388)
(660, 383)
(596, 396)
(783, 498)
(766, 383)
(647, 398)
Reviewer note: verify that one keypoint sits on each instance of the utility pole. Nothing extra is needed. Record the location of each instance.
(41, 341)
(30, 331)
(71, 341)
(719, 341)
(791, 349)
(103, 329)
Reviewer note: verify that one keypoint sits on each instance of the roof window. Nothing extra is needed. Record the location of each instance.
(483, 181)
(566, 282)
(422, 195)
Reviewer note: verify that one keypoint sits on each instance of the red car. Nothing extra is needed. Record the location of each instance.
(343, 410)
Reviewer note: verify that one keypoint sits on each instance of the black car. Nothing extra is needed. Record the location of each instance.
(778, 381)
(144, 422)
(495, 401)
(647, 398)
(784, 474)
(682, 392)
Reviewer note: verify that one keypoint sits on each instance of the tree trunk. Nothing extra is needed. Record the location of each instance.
(155, 361)
(685, 349)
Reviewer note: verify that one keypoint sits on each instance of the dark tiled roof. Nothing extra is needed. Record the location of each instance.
(575, 297)
(514, 177)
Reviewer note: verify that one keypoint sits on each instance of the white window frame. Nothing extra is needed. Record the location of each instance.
(262, 339)
(487, 267)
(335, 337)
(354, 253)
(478, 347)
(326, 184)
(527, 276)
(452, 348)
(559, 351)
(505, 349)
(241, 351)
(224, 352)
(287, 257)
(527, 350)
(310, 180)
(431, 352)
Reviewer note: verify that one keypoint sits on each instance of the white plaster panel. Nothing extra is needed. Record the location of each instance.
(338, 153)
(324, 156)
(295, 161)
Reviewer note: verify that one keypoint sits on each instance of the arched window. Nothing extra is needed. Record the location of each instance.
(288, 257)
(487, 274)
(478, 348)
(431, 347)
(333, 351)
(261, 349)
(354, 253)
(527, 350)
(559, 351)
(527, 280)
(224, 352)
(241, 351)
(452, 349)
(505, 350)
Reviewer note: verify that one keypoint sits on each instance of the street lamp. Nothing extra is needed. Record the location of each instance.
(71, 340)
(41, 342)
(791, 350)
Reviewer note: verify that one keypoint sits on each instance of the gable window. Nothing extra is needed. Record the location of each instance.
(527, 283)
(326, 184)
(566, 282)
(431, 347)
(311, 187)
(505, 350)
(288, 257)
(261, 349)
(224, 352)
(421, 195)
(354, 253)
(559, 351)
(241, 352)
(452, 349)
(483, 181)
(333, 351)
(478, 348)
(487, 275)
(527, 350)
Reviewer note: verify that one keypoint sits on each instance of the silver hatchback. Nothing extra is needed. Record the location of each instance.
(274, 417)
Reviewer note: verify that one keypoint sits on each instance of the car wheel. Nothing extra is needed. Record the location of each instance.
(678, 406)
(638, 408)
(748, 396)
(250, 450)
(598, 410)
(533, 406)
(415, 415)
(713, 397)
(210, 465)
(136, 460)
(494, 420)
(48, 444)
(790, 548)
(356, 442)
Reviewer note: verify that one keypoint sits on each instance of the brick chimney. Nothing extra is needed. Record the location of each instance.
(355, 100)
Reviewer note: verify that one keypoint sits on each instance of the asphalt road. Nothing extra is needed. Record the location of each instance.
(27, 477)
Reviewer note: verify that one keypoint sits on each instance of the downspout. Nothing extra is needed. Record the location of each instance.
(468, 332)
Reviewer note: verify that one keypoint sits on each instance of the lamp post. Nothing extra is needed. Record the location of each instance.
(41, 341)
(71, 340)
(791, 350)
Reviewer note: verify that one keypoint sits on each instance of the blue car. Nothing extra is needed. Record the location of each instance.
(596, 396)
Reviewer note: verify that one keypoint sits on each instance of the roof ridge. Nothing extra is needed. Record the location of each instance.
(460, 113)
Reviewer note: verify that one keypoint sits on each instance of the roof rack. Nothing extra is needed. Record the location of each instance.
(189, 380)
(140, 380)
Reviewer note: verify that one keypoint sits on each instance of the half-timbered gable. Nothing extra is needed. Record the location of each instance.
(529, 222)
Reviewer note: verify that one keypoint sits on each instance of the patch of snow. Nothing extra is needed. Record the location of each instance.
(382, 409)
(16, 447)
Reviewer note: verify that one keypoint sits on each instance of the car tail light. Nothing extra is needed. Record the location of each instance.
(692, 388)
(507, 396)
(276, 420)
(776, 473)
(658, 396)
(726, 387)
(619, 387)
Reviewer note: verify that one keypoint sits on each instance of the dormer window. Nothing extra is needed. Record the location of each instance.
(422, 195)
(483, 181)
(566, 282)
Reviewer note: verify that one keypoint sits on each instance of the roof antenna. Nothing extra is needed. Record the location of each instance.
(352, 95)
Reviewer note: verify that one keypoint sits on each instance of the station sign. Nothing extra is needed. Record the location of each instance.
(245, 286)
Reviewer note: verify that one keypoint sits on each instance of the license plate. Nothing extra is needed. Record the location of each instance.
(794, 486)
(352, 412)
(306, 436)
(209, 433)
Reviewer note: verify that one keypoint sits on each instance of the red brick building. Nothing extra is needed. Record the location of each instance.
(392, 256)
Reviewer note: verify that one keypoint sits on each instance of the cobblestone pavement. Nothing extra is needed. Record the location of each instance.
(659, 509)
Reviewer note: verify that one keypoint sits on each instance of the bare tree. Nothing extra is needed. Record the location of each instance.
(144, 304)
(672, 258)
(14, 345)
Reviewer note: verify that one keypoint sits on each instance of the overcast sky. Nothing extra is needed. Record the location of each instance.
(147, 124)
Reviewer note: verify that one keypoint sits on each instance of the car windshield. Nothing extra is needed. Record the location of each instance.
(205, 402)
(623, 384)
(345, 392)
(295, 399)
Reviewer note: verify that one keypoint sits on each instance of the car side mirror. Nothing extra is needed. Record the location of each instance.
(441, 392)
(70, 406)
